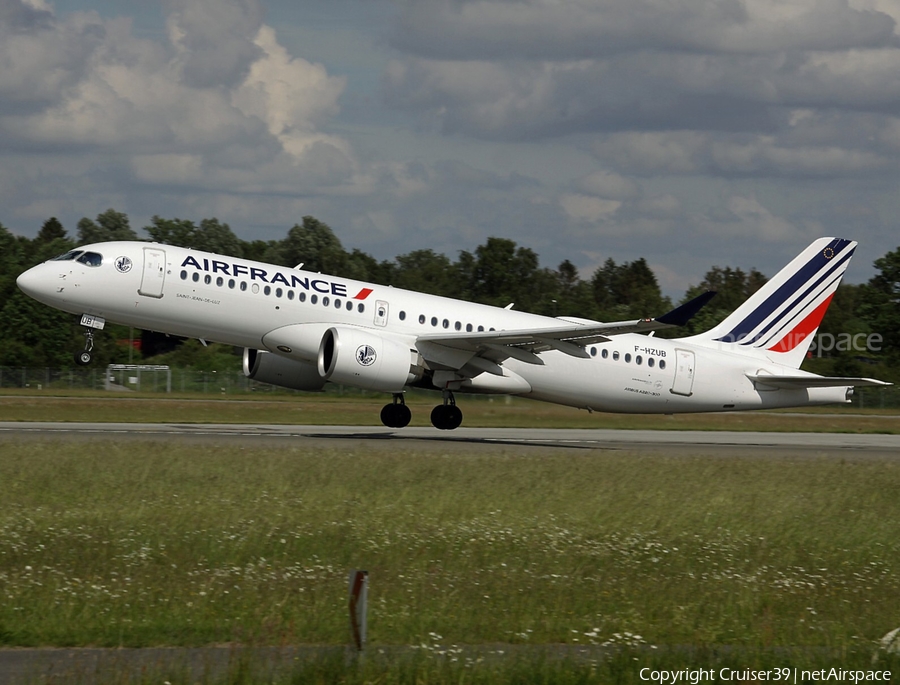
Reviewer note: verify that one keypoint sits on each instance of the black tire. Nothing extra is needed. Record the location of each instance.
(83, 358)
(446, 417)
(395, 415)
(404, 416)
(387, 415)
(454, 417)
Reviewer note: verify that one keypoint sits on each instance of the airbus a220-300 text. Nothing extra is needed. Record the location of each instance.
(302, 330)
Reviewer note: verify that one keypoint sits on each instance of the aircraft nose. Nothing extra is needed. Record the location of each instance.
(32, 283)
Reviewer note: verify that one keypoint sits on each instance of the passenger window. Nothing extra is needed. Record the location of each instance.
(604, 353)
(434, 321)
(639, 360)
(313, 299)
(627, 358)
(421, 318)
(255, 288)
(267, 290)
(195, 277)
(207, 279)
(231, 283)
(445, 323)
(278, 292)
(301, 297)
(290, 294)
(650, 362)
(468, 328)
(349, 306)
(183, 275)
(243, 285)
(402, 315)
(593, 351)
(220, 281)
(337, 304)
(616, 356)
(662, 363)
(360, 307)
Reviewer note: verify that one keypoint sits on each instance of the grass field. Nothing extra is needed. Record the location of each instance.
(361, 410)
(670, 561)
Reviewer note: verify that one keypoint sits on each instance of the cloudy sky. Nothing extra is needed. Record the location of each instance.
(689, 132)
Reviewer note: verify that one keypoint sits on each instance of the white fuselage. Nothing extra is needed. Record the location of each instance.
(238, 302)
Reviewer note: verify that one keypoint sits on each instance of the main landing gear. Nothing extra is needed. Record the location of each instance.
(396, 414)
(446, 416)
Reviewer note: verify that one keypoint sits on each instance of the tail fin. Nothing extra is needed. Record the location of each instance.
(779, 321)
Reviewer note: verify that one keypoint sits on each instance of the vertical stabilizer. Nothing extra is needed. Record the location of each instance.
(779, 321)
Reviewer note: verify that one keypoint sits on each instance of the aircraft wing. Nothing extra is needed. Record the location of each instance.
(569, 338)
(811, 381)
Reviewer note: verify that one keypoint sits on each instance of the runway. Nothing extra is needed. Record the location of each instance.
(680, 442)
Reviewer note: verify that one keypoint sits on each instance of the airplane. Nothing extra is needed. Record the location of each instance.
(302, 330)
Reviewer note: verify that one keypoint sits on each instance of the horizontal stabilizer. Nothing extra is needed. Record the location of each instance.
(811, 381)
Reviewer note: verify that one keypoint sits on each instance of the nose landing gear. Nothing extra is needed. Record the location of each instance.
(446, 416)
(84, 357)
(90, 323)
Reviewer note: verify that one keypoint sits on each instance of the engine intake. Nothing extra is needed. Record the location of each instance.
(365, 359)
(266, 367)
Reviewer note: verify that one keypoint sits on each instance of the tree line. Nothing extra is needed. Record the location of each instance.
(499, 272)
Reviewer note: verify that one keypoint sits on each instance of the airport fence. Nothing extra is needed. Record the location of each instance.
(148, 379)
(193, 381)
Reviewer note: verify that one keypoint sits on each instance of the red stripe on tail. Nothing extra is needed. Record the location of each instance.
(803, 329)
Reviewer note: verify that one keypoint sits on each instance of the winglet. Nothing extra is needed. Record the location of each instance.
(684, 313)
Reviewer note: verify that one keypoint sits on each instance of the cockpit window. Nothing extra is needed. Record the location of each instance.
(71, 254)
(91, 259)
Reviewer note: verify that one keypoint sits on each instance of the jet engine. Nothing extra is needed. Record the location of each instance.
(365, 359)
(266, 367)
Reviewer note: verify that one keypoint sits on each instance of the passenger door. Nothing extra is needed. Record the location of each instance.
(684, 373)
(154, 275)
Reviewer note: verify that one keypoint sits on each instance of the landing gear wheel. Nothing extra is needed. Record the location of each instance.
(84, 357)
(446, 417)
(396, 414)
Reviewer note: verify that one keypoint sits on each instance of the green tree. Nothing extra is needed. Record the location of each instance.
(627, 291)
(426, 271)
(50, 231)
(732, 286)
(314, 245)
(110, 225)
(572, 296)
(501, 273)
(880, 305)
(179, 232)
(212, 236)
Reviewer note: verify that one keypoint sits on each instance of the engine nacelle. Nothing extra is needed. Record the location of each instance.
(266, 367)
(363, 358)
